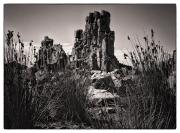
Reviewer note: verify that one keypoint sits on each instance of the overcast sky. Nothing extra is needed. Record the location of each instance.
(60, 21)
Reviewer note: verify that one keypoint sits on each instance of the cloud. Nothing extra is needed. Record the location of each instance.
(120, 56)
(67, 47)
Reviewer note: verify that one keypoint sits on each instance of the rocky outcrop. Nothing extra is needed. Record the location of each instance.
(111, 80)
(102, 94)
(106, 90)
(98, 97)
(95, 45)
(51, 56)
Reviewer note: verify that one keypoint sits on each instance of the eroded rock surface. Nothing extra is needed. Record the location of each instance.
(51, 56)
(95, 45)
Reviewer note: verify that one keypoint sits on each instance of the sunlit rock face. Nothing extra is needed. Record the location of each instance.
(95, 45)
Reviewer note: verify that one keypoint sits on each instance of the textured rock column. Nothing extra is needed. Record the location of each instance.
(96, 45)
(99, 57)
(104, 55)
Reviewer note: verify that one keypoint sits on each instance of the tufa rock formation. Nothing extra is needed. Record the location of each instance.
(95, 45)
(51, 57)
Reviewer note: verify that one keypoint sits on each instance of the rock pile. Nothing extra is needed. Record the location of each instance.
(107, 89)
(102, 94)
(95, 45)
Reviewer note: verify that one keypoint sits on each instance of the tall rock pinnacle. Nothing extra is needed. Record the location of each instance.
(95, 45)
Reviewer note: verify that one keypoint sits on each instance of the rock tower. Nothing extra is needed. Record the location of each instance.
(95, 45)
(51, 56)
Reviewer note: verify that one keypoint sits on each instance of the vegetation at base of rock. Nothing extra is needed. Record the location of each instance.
(155, 98)
(18, 107)
(62, 97)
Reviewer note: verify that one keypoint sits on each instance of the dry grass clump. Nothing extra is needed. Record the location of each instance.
(18, 107)
(63, 98)
(153, 103)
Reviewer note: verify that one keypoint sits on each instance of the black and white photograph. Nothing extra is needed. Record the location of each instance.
(89, 66)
